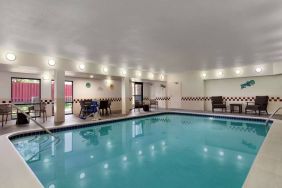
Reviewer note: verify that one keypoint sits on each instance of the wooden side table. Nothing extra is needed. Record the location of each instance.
(232, 107)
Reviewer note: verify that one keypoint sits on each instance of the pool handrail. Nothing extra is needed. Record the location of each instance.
(268, 119)
(34, 121)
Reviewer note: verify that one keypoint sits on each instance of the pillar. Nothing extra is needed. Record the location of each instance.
(59, 95)
(125, 94)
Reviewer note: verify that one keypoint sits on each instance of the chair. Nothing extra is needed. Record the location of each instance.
(85, 105)
(41, 110)
(109, 106)
(218, 102)
(260, 104)
(154, 103)
(5, 109)
(104, 106)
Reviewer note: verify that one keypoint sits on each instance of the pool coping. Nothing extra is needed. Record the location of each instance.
(14, 166)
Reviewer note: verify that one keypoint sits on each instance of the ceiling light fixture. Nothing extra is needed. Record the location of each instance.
(51, 62)
(204, 75)
(82, 67)
(138, 73)
(238, 71)
(220, 73)
(10, 56)
(105, 70)
(91, 76)
(162, 77)
(258, 69)
(151, 75)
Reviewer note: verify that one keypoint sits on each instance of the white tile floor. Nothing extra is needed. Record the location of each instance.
(73, 119)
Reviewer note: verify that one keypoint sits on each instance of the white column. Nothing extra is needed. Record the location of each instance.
(59, 95)
(125, 94)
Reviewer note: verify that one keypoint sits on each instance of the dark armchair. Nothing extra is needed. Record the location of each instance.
(259, 105)
(218, 102)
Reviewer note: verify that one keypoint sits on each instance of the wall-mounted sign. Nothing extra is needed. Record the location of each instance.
(88, 85)
(248, 84)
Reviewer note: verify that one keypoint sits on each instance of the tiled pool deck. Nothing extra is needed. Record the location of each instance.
(265, 172)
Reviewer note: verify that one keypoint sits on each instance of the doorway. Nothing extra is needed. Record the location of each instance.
(137, 93)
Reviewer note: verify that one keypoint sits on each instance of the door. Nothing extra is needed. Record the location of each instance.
(174, 92)
(137, 93)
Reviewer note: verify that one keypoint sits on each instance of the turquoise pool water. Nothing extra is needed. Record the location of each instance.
(162, 151)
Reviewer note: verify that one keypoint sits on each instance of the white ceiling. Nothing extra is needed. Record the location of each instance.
(169, 35)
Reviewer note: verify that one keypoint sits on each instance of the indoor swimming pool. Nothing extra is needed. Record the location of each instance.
(158, 151)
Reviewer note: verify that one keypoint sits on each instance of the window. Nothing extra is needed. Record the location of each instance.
(25, 92)
(68, 96)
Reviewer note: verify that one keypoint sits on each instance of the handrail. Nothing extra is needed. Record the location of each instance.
(34, 121)
(268, 119)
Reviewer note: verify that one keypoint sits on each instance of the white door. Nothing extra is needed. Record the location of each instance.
(174, 92)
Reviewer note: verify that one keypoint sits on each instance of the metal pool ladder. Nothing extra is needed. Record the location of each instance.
(268, 119)
(56, 138)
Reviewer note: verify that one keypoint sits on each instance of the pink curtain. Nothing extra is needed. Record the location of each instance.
(68, 91)
(23, 92)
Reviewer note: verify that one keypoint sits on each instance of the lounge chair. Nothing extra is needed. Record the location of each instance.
(218, 102)
(259, 105)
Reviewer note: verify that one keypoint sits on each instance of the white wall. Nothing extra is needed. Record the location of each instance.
(99, 89)
(158, 90)
(191, 85)
(265, 85)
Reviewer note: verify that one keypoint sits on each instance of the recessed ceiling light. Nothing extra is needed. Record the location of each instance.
(82, 67)
(138, 73)
(238, 71)
(105, 69)
(220, 73)
(10, 56)
(91, 76)
(51, 62)
(258, 69)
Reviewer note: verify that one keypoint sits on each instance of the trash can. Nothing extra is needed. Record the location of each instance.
(146, 108)
(21, 119)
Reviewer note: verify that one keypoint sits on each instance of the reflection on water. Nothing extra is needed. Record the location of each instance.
(137, 128)
(105, 130)
(28, 149)
(68, 141)
(90, 136)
